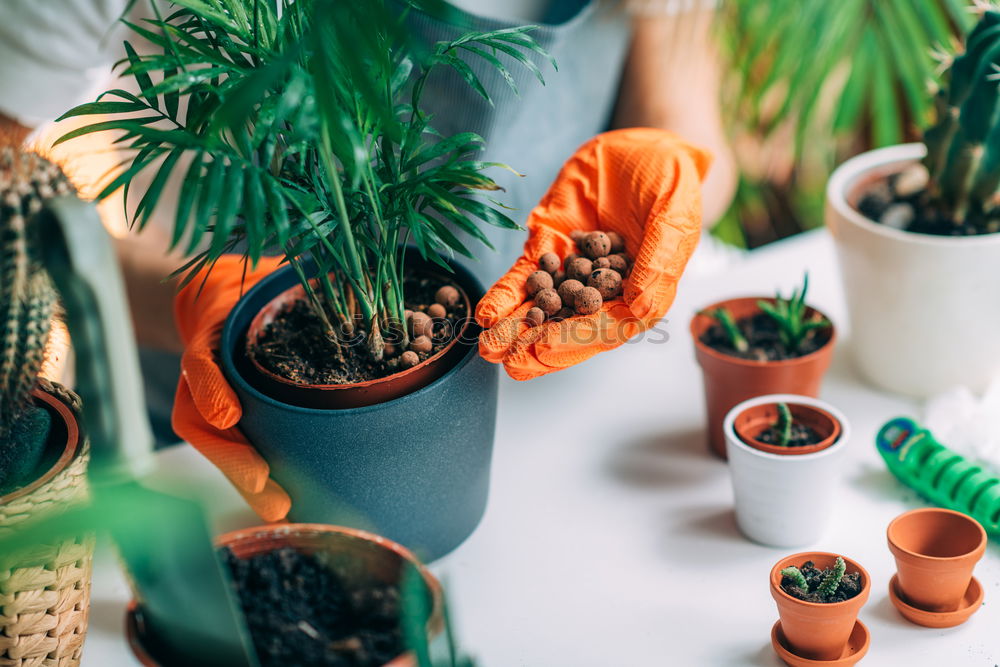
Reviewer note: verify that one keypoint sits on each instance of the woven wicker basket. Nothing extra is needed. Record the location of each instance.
(45, 591)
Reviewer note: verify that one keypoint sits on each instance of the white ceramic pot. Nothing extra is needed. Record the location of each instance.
(784, 500)
(924, 310)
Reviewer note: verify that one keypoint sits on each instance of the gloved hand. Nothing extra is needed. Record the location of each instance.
(206, 409)
(644, 184)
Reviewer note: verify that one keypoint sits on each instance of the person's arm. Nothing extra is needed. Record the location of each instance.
(671, 81)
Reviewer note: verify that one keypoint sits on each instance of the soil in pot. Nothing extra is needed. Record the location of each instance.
(295, 346)
(764, 339)
(849, 586)
(901, 201)
(300, 611)
(801, 436)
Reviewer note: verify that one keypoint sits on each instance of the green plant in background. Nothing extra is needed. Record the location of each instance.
(789, 314)
(798, 580)
(783, 426)
(831, 580)
(304, 134)
(963, 146)
(853, 73)
(27, 304)
(725, 319)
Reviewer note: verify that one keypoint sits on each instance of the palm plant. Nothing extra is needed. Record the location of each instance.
(854, 70)
(304, 135)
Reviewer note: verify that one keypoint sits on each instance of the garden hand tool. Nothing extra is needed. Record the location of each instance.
(184, 594)
(938, 473)
(206, 409)
(645, 185)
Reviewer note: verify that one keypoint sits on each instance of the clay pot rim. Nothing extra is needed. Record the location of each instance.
(893, 546)
(802, 557)
(738, 361)
(70, 448)
(828, 441)
(780, 647)
(848, 176)
(255, 324)
(729, 430)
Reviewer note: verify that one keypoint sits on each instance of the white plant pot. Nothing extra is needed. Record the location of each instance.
(784, 500)
(924, 310)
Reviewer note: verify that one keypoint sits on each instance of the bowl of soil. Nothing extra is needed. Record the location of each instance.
(784, 495)
(314, 595)
(766, 365)
(415, 468)
(298, 362)
(819, 596)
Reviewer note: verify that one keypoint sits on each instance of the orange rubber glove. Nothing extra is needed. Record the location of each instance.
(206, 409)
(644, 184)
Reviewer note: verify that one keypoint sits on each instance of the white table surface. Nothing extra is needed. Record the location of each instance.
(610, 540)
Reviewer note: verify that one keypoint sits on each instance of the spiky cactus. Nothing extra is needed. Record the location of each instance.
(963, 147)
(798, 579)
(831, 580)
(27, 302)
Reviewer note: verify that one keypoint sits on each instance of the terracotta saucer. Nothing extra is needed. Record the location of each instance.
(857, 647)
(970, 604)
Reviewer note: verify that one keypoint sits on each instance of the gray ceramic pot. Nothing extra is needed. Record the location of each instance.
(415, 469)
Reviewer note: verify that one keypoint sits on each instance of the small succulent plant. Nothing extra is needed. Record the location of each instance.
(725, 319)
(783, 425)
(963, 147)
(794, 327)
(828, 585)
(27, 303)
(831, 580)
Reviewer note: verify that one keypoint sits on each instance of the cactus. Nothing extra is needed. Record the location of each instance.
(831, 580)
(27, 303)
(783, 426)
(963, 147)
(798, 580)
(790, 316)
(728, 324)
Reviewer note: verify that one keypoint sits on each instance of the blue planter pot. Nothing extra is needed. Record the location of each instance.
(415, 469)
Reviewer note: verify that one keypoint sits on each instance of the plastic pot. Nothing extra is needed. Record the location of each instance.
(415, 469)
(730, 380)
(924, 309)
(757, 419)
(814, 630)
(935, 550)
(374, 559)
(783, 499)
(358, 394)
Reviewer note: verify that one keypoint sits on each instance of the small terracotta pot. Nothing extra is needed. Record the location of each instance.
(814, 630)
(935, 550)
(358, 394)
(730, 380)
(756, 419)
(381, 561)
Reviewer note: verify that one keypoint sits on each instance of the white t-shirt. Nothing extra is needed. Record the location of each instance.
(55, 54)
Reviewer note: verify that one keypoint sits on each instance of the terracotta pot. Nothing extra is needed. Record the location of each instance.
(730, 380)
(382, 562)
(359, 394)
(935, 550)
(814, 630)
(756, 419)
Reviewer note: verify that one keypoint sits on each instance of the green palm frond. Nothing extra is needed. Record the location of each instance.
(304, 133)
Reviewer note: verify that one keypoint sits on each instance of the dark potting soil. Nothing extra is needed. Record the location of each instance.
(761, 332)
(300, 612)
(295, 346)
(849, 586)
(913, 212)
(802, 436)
